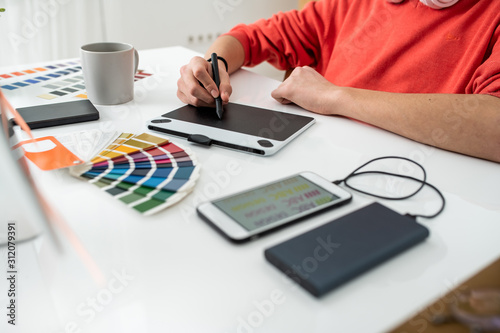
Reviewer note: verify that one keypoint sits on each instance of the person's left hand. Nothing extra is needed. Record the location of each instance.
(308, 89)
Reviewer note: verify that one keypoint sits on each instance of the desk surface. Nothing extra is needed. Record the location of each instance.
(172, 272)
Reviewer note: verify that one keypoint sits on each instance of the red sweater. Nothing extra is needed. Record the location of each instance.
(373, 44)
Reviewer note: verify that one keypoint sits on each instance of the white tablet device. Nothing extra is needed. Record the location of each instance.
(262, 209)
(242, 127)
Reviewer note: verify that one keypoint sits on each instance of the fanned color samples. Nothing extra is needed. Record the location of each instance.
(146, 172)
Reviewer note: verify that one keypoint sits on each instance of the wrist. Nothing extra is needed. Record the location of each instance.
(343, 99)
(222, 62)
(332, 100)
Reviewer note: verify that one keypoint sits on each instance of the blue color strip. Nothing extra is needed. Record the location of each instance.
(19, 84)
(8, 87)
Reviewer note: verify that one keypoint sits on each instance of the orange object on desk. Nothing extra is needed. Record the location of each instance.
(48, 153)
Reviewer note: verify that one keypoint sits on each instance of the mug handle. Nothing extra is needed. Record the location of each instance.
(136, 60)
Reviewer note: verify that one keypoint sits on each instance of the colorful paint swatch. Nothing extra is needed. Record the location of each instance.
(47, 96)
(146, 172)
(58, 93)
(37, 69)
(55, 76)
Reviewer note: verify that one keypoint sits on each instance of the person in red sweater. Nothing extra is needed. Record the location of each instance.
(428, 70)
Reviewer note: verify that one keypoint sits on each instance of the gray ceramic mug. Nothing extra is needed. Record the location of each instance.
(108, 71)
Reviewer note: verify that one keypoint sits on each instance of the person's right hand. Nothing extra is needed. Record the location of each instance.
(196, 86)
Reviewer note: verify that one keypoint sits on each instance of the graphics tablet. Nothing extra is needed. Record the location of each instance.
(242, 127)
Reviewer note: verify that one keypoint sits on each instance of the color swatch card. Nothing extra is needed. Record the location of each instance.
(61, 80)
(48, 153)
(146, 172)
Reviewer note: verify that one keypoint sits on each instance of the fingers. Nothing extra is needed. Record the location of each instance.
(279, 93)
(189, 89)
(284, 91)
(196, 86)
(283, 100)
(225, 88)
(306, 88)
(202, 72)
(189, 99)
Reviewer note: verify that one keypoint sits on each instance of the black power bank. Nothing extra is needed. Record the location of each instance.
(332, 254)
(46, 115)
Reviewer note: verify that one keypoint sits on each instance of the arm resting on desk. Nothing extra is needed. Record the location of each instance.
(467, 124)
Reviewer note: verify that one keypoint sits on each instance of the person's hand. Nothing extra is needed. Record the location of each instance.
(196, 86)
(308, 89)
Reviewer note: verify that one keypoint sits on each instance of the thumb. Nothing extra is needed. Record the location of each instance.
(279, 94)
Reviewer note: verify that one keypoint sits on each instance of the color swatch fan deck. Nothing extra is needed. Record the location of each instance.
(146, 172)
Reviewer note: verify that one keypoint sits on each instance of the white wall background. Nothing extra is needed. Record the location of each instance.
(44, 30)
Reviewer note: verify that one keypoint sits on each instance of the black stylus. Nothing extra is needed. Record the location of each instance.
(218, 100)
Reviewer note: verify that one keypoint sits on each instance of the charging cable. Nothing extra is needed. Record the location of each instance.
(423, 182)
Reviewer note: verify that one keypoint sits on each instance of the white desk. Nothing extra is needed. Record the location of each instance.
(171, 272)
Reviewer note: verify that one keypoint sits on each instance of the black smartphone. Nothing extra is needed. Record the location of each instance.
(46, 115)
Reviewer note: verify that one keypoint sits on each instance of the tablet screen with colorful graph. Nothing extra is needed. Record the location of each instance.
(146, 172)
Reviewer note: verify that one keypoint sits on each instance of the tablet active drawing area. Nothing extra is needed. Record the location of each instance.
(246, 128)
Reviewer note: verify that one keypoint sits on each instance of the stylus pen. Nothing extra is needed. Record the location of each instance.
(218, 100)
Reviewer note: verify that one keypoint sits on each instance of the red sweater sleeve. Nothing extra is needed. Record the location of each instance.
(377, 45)
(486, 79)
(291, 39)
